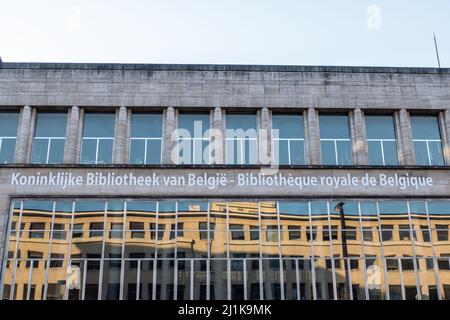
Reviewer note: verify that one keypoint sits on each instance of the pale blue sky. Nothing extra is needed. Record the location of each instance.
(319, 32)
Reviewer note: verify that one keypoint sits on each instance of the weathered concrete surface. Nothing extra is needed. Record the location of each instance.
(113, 85)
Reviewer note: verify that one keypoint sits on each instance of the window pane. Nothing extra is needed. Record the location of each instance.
(420, 149)
(56, 151)
(190, 122)
(344, 150)
(39, 153)
(425, 127)
(282, 150)
(251, 151)
(8, 124)
(88, 150)
(105, 147)
(327, 152)
(390, 153)
(146, 125)
(375, 155)
(297, 152)
(380, 127)
(288, 126)
(241, 121)
(436, 153)
(334, 127)
(137, 151)
(98, 125)
(51, 125)
(8, 147)
(153, 151)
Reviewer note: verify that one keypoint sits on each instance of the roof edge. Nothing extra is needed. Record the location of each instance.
(220, 67)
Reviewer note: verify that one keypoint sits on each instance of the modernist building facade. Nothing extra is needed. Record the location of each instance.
(212, 182)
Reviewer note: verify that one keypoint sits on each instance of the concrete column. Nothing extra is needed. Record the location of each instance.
(23, 135)
(404, 137)
(265, 136)
(359, 143)
(444, 121)
(218, 135)
(168, 129)
(70, 148)
(313, 142)
(120, 134)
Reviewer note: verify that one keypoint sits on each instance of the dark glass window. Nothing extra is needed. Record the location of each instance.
(335, 142)
(427, 140)
(49, 138)
(146, 138)
(381, 140)
(8, 133)
(98, 138)
(288, 139)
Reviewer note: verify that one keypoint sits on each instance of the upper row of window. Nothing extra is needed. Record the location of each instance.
(288, 139)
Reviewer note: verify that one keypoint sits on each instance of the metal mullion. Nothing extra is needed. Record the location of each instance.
(175, 261)
(416, 267)
(383, 259)
(191, 274)
(366, 288)
(69, 261)
(312, 258)
(245, 278)
(400, 268)
(335, 152)
(433, 252)
(145, 151)
(47, 264)
(333, 268)
(102, 258)
(155, 254)
(138, 279)
(5, 252)
(48, 149)
(30, 272)
(289, 151)
(208, 253)
(83, 288)
(280, 257)
(228, 255)
(122, 263)
(261, 277)
(382, 152)
(96, 150)
(297, 278)
(429, 155)
(13, 284)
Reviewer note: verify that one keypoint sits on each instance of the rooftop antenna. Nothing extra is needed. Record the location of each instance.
(437, 50)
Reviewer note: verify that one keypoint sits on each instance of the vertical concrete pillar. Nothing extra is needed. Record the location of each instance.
(359, 143)
(168, 129)
(70, 148)
(265, 136)
(120, 134)
(313, 142)
(23, 135)
(217, 138)
(444, 121)
(404, 138)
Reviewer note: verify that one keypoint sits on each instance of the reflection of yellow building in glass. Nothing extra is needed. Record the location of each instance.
(195, 249)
